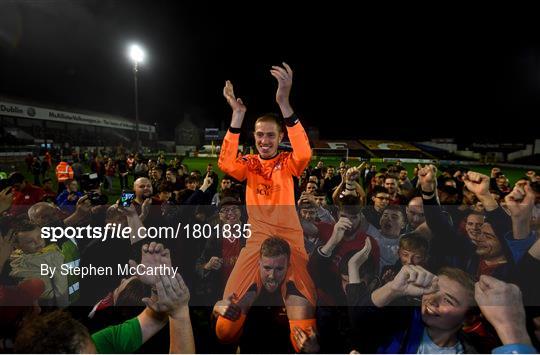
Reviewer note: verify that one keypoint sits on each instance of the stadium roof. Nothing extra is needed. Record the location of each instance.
(32, 110)
(29, 102)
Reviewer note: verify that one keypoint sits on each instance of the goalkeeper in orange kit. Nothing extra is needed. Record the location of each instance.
(271, 211)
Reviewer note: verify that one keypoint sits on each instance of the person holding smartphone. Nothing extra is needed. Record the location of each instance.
(126, 198)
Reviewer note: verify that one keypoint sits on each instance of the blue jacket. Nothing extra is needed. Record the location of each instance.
(66, 205)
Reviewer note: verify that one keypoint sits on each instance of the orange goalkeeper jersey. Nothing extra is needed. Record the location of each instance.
(270, 187)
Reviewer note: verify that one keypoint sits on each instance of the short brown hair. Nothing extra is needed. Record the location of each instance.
(461, 277)
(350, 204)
(191, 179)
(275, 246)
(270, 117)
(391, 176)
(414, 242)
(395, 208)
(165, 187)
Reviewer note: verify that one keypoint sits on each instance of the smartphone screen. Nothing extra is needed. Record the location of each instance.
(126, 198)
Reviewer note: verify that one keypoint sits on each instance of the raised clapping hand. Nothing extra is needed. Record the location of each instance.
(360, 257)
(342, 225)
(356, 261)
(152, 255)
(172, 295)
(284, 76)
(237, 106)
(236, 103)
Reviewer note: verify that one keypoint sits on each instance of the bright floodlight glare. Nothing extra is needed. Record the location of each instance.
(136, 53)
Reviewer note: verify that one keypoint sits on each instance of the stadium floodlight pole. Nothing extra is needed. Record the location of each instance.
(137, 55)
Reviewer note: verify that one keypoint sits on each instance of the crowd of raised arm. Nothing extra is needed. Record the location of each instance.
(447, 261)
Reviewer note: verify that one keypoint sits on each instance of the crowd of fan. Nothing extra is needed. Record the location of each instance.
(447, 261)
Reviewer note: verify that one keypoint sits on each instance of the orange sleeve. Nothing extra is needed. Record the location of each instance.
(301, 154)
(228, 163)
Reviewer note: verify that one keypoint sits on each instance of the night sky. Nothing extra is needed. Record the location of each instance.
(360, 72)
